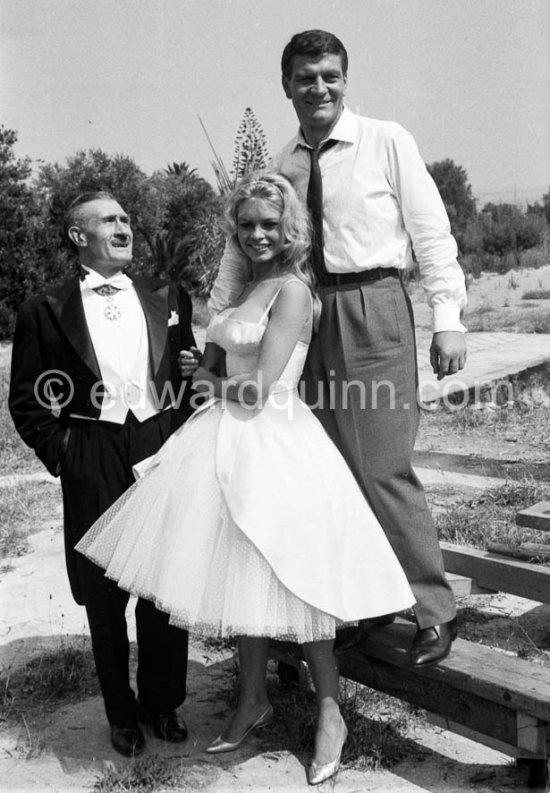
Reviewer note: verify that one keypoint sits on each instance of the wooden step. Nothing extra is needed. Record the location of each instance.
(535, 517)
(499, 697)
(464, 586)
(498, 573)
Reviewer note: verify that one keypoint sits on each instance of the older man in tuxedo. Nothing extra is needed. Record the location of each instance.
(95, 388)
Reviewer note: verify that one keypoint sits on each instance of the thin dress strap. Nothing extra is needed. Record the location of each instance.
(274, 298)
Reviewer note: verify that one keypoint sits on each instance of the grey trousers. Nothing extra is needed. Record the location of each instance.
(360, 380)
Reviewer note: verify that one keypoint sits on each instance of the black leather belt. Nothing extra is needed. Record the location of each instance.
(360, 277)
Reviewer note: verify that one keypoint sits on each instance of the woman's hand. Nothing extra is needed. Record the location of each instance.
(188, 361)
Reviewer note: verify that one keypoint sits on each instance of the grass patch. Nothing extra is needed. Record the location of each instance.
(490, 516)
(157, 773)
(15, 456)
(217, 645)
(379, 725)
(144, 776)
(510, 416)
(24, 507)
(499, 412)
(536, 294)
(379, 728)
(513, 320)
(44, 683)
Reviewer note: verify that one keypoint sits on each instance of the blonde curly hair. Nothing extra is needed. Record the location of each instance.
(276, 190)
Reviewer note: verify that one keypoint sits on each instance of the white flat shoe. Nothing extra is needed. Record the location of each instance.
(220, 745)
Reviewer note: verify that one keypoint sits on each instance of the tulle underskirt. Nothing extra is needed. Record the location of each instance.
(170, 539)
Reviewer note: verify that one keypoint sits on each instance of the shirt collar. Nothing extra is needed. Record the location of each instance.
(345, 131)
(93, 279)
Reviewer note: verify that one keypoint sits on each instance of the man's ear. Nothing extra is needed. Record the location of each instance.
(286, 87)
(77, 237)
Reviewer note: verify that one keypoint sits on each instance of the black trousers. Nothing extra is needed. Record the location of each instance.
(96, 471)
(361, 379)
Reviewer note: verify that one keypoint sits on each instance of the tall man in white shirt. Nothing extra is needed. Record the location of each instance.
(95, 388)
(376, 203)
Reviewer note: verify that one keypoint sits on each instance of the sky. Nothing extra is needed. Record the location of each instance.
(469, 78)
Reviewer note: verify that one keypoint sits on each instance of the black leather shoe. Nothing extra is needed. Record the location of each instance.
(128, 741)
(346, 639)
(169, 727)
(431, 645)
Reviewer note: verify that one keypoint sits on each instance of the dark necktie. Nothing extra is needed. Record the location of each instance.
(315, 205)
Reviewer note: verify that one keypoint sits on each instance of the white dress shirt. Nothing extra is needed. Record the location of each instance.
(379, 202)
(121, 347)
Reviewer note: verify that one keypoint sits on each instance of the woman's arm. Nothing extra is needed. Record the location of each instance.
(288, 316)
(213, 358)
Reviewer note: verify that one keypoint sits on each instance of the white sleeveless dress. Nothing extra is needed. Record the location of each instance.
(248, 521)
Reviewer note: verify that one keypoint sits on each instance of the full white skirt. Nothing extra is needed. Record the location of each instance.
(249, 522)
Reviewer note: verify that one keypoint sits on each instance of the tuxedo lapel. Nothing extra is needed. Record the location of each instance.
(154, 302)
(66, 304)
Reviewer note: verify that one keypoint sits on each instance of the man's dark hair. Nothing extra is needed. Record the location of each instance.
(315, 44)
(73, 212)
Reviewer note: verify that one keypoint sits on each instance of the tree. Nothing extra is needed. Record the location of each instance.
(189, 240)
(546, 205)
(509, 230)
(117, 174)
(541, 209)
(24, 238)
(456, 192)
(250, 146)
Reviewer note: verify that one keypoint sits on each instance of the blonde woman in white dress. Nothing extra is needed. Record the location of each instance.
(248, 522)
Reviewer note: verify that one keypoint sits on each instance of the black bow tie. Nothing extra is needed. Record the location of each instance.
(106, 290)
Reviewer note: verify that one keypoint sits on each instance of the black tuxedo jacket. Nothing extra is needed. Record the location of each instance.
(55, 371)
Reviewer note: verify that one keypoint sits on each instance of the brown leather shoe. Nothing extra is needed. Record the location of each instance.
(128, 741)
(346, 638)
(431, 645)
